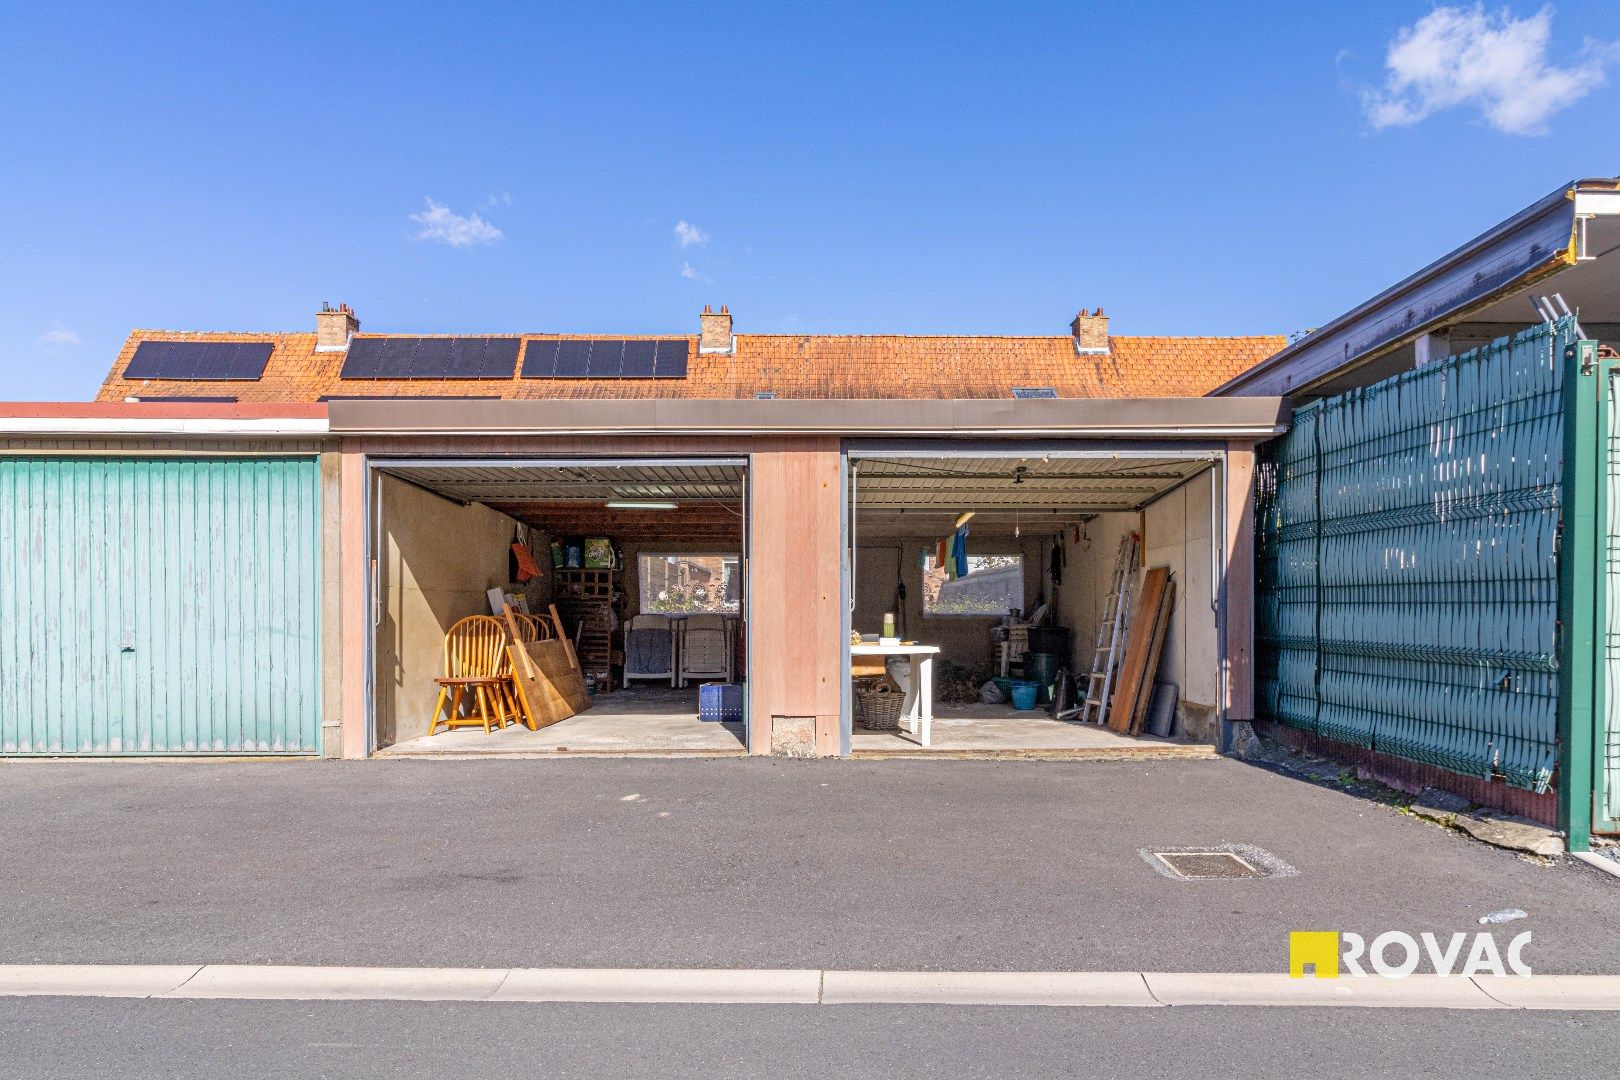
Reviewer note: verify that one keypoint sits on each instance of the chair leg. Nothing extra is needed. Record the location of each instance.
(438, 705)
(483, 706)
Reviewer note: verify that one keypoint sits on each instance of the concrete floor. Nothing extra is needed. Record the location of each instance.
(960, 729)
(644, 718)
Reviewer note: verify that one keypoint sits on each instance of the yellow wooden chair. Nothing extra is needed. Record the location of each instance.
(476, 663)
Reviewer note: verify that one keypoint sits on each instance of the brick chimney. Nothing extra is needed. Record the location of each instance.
(1090, 332)
(333, 327)
(716, 330)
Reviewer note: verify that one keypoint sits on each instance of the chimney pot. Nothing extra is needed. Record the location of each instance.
(333, 327)
(1090, 332)
(716, 336)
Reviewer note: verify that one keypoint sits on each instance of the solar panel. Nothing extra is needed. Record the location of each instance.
(573, 357)
(191, 398)
(540, 358)
(671, 361)
(607, 359)
(236, 360)
(431, 358)
(638, 359)
(1033, 392)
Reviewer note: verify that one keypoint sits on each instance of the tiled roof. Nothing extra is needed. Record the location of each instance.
(789, 365)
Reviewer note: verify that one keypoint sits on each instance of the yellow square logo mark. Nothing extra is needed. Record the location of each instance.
(1317, 949)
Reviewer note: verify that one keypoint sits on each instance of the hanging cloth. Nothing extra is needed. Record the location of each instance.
(961, 552)
(942, 556)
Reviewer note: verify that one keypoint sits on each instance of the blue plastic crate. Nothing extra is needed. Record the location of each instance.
(720, 703)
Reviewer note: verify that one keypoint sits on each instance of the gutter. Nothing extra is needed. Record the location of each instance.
(1176, 418)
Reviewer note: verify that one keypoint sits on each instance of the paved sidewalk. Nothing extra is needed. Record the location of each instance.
(743, 863)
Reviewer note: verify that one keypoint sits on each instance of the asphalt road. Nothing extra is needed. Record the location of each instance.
(747, 863)
(47, 1038)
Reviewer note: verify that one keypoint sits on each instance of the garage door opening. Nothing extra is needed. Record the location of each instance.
(993, 597)
(640, 565)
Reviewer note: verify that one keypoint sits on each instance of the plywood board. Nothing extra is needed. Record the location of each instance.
(1161, 630)
(1134, 677)
(550, 684)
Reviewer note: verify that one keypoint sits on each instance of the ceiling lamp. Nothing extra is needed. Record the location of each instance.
(639, 504)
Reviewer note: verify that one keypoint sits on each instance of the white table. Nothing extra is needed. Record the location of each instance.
(917, 711)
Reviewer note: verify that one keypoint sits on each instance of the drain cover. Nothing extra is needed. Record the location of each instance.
(1217, 862)
(1207, 864)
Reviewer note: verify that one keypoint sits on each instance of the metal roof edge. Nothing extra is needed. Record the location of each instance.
(1233, 417)
(1532, 243)
(162, 418)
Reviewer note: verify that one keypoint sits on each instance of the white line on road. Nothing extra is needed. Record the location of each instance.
(245, 982)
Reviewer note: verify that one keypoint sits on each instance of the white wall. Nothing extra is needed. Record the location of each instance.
(1176, 534)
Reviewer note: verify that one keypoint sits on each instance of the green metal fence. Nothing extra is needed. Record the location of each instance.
(1408, 569)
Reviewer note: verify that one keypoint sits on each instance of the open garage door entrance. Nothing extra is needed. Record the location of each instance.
(988, 587)
(641, 564)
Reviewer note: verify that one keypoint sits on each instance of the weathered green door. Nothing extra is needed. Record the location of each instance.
(159, 606)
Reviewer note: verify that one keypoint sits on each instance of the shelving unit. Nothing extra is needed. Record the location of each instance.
(585, 600)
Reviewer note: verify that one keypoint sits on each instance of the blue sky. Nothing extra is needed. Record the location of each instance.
(904, 168)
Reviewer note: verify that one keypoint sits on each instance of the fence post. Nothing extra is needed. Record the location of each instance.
(1578, 688)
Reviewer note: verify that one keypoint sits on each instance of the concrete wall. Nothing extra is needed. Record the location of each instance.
(437, 562)
(1176, 534)
(963, 639)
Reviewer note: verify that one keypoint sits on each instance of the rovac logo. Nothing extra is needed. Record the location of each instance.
(1395, 954)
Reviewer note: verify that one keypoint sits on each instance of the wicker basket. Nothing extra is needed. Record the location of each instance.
(880, 708)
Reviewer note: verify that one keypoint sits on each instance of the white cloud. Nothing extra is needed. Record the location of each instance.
(441, 224)
(503, 198)
(691, 273)
(58, 338)
(688, 235)
(1457, 56)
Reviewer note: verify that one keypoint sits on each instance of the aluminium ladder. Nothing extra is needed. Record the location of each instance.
(1110, 634)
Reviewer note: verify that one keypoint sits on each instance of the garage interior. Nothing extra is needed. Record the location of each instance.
(643, 561)
(1042, 532)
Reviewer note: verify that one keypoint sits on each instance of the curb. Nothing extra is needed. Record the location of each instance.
(729, 986)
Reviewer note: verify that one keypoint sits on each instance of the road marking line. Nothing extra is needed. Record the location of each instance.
(254, 982)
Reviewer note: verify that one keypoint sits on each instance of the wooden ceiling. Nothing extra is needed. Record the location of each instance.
(691, 523)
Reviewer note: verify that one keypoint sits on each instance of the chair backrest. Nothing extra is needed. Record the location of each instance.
(475, 647)
(527, 625)
(649, 622)
(706, 622)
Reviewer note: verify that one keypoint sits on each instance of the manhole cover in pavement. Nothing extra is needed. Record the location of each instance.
(1207, 864)
(1217, 862)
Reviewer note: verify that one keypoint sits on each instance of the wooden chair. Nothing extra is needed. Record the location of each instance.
(528, 628)
(476, 662)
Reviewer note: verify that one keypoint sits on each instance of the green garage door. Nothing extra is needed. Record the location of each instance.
(159, 606)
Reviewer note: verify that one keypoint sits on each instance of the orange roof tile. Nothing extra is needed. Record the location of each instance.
(790, 365)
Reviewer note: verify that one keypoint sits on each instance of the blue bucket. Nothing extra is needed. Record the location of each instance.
(1023, 694)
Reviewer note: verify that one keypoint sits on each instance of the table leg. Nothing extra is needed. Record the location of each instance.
(922, 673)
(908, 705)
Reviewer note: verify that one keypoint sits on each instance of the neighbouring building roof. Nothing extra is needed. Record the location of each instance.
(788, 366)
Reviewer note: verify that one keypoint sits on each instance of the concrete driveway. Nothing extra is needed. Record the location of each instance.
(748, 863)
